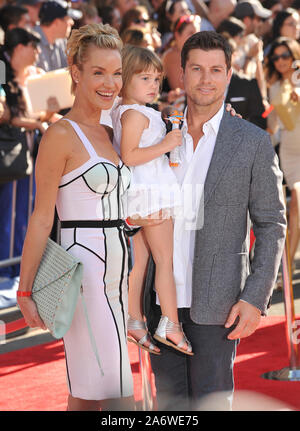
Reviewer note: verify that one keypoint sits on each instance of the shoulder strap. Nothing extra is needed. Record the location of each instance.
(89, 147)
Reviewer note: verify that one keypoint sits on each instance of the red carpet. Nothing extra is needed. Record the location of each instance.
(265, 351)
(34, 378)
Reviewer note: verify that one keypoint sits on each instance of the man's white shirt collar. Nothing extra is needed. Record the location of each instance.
(214, 122)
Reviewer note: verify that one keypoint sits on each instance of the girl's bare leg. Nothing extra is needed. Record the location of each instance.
(137, 276)
(160, 241)
(136, 284)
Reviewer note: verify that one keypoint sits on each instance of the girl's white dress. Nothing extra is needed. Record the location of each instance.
(153, 185)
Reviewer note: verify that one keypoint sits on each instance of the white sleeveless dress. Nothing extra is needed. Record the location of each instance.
(88, 195)
(153, 185)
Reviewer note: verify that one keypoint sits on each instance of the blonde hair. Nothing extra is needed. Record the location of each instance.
(136, 59)
(99, 35)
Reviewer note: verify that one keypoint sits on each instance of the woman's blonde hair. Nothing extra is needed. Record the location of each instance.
(136, 59)
(99, 35)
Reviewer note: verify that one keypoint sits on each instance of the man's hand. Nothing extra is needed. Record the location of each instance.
(249, 319)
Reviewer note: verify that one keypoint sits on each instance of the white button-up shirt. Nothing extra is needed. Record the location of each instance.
(191, 176)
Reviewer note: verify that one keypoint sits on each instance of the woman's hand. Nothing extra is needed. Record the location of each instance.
(232, 111)
(30, 313)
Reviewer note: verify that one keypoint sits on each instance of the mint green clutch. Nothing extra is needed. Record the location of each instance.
(56, 288)
(55, 291)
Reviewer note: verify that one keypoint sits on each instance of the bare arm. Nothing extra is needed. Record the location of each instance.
(133, 125)
(27, 123)
(50, 165)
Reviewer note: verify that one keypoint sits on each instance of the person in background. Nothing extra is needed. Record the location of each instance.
(274, 6)
(296, 5)
(19, 54)
(184, 27)
(33, 7)
(56, 21)
(12, 16)
(89, 15)
(286, 3)
(4, 111)
(244, 96)
(250, 54)
(233, 29)
(284, 80)
(155, 4)
(110, 15)
(138, 18)
(124, 5)
(169, 12)
(217, 11)
(137, 37)
(286, 24)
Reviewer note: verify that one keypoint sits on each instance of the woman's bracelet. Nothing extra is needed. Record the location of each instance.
(23, 293)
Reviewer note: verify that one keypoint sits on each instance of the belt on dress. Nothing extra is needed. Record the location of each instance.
(69, 224)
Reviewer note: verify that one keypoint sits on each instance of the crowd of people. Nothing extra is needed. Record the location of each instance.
(263, 87)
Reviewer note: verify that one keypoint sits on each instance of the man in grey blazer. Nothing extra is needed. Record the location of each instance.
(221, 295)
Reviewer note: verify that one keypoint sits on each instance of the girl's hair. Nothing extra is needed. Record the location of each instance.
(293, 48)
(99, 35)
(135, 60)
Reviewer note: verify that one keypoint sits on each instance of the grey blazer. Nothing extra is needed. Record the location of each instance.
(243, 185)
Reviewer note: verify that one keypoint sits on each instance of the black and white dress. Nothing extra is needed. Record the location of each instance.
(90, 209)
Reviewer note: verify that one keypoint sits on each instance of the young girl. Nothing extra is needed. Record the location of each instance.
(141, 134)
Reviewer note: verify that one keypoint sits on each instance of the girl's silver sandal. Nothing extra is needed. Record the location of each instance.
(166, 327)
(134, 325)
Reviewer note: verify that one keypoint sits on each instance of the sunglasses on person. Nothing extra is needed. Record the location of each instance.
(141, 21)
(284, 56)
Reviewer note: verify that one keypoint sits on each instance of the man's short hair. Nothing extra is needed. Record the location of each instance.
(207, 41)
(53, 9)
(11, 14)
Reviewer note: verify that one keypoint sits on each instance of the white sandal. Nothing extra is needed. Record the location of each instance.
(134, 325)
(166, 327)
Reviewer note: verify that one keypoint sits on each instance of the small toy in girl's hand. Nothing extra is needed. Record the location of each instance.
(175, 119)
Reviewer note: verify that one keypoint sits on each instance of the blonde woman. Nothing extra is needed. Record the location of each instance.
(79, 171)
